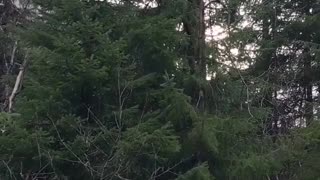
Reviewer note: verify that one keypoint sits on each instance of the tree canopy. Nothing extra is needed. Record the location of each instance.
(160, 89)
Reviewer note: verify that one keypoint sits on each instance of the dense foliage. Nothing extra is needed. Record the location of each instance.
(134, 90)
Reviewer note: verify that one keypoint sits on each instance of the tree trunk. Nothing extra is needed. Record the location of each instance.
(194, 26)
(17, 85)
(307, 83)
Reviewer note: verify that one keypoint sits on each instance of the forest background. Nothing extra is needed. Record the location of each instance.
(160, 89)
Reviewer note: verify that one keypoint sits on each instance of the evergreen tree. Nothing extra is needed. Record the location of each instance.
(120, 90)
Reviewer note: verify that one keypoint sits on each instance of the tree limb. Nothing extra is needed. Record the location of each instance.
(17, 84)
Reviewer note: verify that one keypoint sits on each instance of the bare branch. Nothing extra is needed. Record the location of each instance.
(17, 84)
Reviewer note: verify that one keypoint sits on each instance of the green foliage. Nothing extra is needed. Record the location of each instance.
(19, 144)
(108, 95)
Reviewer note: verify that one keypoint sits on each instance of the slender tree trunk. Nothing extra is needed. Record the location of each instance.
(307, 83)
(17, 85)
(269, 63)
(201, 45)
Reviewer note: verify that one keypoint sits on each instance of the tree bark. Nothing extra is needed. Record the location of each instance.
(194, 26)
(17, 85)
(307, 83)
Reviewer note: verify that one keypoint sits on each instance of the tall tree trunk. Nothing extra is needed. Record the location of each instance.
(307, 83)
(269, 63)
(200, 48)
(194, 26)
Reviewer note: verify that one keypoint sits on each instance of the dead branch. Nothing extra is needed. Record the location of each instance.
(17, 84)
